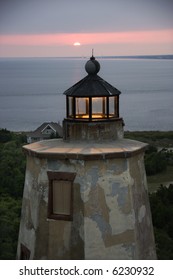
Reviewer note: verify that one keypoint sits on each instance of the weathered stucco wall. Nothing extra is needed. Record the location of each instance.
(95, 130)
(46, 238)
(111, 218)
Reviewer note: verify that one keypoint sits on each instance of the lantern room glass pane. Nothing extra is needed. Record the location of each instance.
(112, 106)
(70, 107)
(98, 107)
(82, 107)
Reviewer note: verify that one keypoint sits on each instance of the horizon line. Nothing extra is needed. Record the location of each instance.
(99, 56)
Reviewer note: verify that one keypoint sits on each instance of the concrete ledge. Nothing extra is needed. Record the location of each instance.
(59, 149)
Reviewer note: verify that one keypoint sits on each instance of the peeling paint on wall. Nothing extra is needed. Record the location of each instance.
(141, 214)
(111, 214)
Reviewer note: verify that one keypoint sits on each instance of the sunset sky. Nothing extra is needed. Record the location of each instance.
(31, 28)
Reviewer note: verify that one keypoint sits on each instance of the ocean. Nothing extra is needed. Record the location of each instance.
(31, 90)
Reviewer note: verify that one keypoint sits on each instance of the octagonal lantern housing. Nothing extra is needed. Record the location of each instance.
(92, 109)
(92, 98)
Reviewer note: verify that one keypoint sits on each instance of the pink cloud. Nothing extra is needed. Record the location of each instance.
(145, 37)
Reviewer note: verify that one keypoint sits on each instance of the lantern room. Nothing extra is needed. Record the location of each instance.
(92, 100)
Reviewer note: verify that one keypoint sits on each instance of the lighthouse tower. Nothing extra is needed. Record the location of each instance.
(85, 196)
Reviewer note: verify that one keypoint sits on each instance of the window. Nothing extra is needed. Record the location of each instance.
(97, 107)
(82, 107)
(70, 109)
(113, 106)
(60, 206)
(24, 252)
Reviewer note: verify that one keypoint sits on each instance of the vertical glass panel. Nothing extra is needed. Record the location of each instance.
(112, 104)
(104, 107)
(97, 107)
(70, 107)
(82, 107)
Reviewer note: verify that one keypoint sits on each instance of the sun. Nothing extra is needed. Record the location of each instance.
(76, 44)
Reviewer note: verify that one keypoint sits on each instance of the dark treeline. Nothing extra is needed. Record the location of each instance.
(161, 203)
(12, 173)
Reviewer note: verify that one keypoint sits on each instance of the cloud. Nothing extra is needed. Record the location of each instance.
(81, 16)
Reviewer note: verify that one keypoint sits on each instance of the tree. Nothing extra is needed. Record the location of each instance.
(12, 170)
(162, 212)
(10, 209)
(155, 162)
(5, 135)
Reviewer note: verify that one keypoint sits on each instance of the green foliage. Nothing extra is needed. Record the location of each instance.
(12, 170)
(151, 149)
(9, 224)
(154, 138)
(5, 136)
(149, 136)
(155, 162)
(164, 245)
(162, 212)
(168, 155)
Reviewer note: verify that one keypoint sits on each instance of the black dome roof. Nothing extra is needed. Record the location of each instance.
(92, 85)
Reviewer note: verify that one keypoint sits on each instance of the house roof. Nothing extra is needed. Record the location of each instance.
(39, 131)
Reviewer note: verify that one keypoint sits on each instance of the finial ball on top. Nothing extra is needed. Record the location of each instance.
(92, 66)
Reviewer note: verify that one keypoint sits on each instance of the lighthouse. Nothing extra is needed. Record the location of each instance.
(85, 196)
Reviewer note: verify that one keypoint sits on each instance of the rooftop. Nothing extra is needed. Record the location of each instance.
(59, 149)
(56, 127)
(92, 85)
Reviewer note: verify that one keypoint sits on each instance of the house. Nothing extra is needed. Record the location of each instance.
(45, 131)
